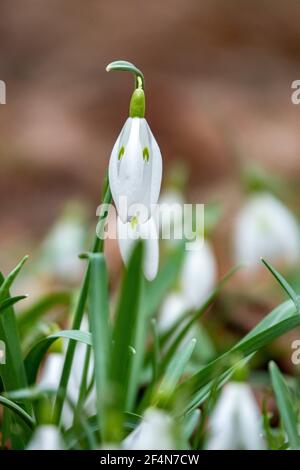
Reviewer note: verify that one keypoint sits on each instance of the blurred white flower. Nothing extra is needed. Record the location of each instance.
(135, 168)
(129, 232)
(46, 437)
(197, 280)
(171, 208)
(266, 228)
(155, 432)
(63, 244)
(235, 422)
(199, 273)
(172, 309)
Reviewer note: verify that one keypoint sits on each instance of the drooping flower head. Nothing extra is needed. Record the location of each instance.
(135, 173)
(135, 166)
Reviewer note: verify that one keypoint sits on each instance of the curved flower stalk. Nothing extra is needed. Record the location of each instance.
(155, 432)
(235, 423)
(266, 228)
(129, 233)
(135, 166)
(46, 437)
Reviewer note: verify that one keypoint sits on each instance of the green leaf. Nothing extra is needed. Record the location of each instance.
(10, 301)
(36, 354)
(284, 402)
(284, 284)
(18, 410)
(125, 66)
(124, 332)
(279, 321)
(174, 372)
(8, 281)
(101, 336)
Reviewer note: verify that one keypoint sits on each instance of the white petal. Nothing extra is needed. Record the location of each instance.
(172, 309)
(155, 432)
(266, 228)
(132, 176)
(46, 437)
(127, 236)
(198, 274)
(235, 422)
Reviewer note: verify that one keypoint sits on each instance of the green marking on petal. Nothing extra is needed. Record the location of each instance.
(146, 154)
(134, 222)
(121, 152)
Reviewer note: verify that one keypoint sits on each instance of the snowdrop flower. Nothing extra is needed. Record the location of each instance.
(266, 228)
(129, 232)
(63, 244)
(199, 273)
(197, 280)
(155, 432)
(235, 422)
(171, 205)
(172, 309)
(46, 437)
(135, 166)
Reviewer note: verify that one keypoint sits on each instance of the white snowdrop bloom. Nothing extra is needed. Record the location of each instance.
(172, 309)
(135, 169)
(171, 209)
(155, 432)
(235, 422)
(266, 228)
(129, 233)
(46, 437)
(199, 273)
(61, 248)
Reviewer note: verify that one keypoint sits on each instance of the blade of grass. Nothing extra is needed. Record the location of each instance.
(285, 406)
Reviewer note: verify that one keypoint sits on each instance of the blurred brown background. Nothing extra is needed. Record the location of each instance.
(218, 83)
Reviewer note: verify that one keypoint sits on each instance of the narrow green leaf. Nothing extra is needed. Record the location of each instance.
(18, 410)
(10, 302)
(284, 284)
(36, 354)
(101, 336)
(174, 371)
(125, 326)
(7, 283)
(284, 402)
(279, 321)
